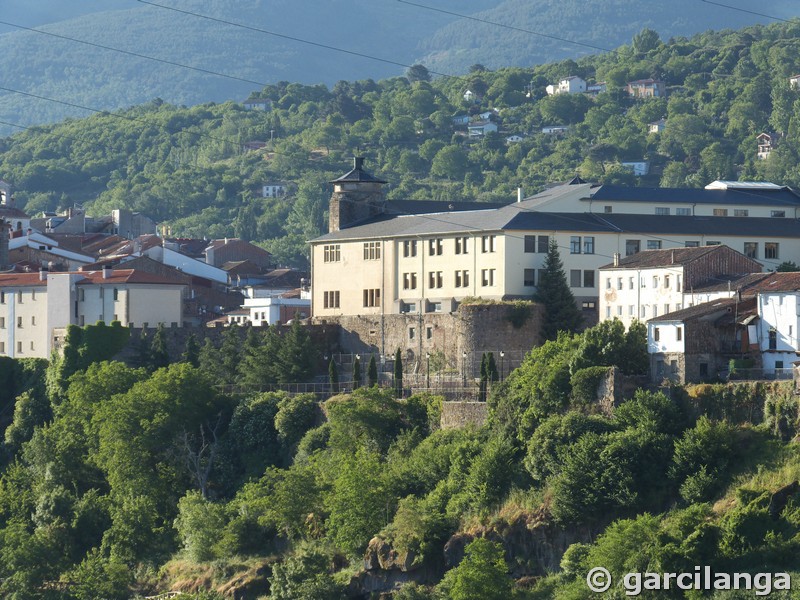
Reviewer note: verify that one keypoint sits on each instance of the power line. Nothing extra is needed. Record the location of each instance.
(136, 54)
(293, 38)
(744, 10)
(471, 18)
(14, 125)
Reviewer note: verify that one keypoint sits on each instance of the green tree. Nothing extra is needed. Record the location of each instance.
(159, 355)
(305, 576)
(191, 353)
(356, 373)
(561, 311)
(372, 372)
(645, 41)
(398, 373)
(481, 575)
(418, 72)
(451, 162)
(333, 376)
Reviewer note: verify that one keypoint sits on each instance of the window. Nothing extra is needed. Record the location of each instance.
(461, 245)
(608, 312)
(778, 365)
(713, 243)
(409, 248)
(666, 309)
(777, 213)
(654, 244)
(428, 332)
(662, 210)
(434, 307)
(703, 369)
(2, 322)
(619, 310)
(372, 250)
(462, 278)
(2, 297)
(529, 278)
(435, 247)
(720, 212)
(434, 279)
(679, 333)
(2, 347)
(575, 244)
(742, 212)
(372, 298)
(655, 281)
(683, 212)
(751, 249)
(19, 347)
(487, 243)
(19, 297)
(666, 281)
(33, 320)
(409, 281)
(408, 307)
(32, 346)
(19, 321)
(607, 209)
(543, 243)
(656, 334)
(588, 278)
(655, 310)
(116, 295)
(412, 333)
(330, 253)
(608, 283)
(631, 310)
(688, 244)
(770, 250)
(575, 278)
(642, 311)
(588, 245)
(632, 247)
(487, 277)
(630, 283)
(82, 295)
(330, 299)
(642, 283)
(773, 339)
(33, 294)
(678, 306)
(588, 305)
(530, 244)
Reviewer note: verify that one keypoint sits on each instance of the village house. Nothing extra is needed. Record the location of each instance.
(257, 104)
(274, 190)
(481, 128)
(33, 305)
(794, 82)
(766, 143)
(639, 168)
(569, 85)
(596, 88)
(650, 283)
(646, 88)
(657, 126)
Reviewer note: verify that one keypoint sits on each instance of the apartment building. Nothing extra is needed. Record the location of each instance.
(32, 305)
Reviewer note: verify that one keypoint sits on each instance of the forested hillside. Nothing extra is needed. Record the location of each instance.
(378, 37)
(186, 167)
(123, 481)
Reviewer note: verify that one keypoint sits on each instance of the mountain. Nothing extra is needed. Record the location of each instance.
(60, 76)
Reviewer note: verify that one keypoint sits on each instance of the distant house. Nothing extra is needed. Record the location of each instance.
(646, 88)
(514, 139)
(794, 82)
(766, 144)
(657, 126)
(596, 88)
(640, 168)
(470, 96)
(555, 129)
(254, 145)
(257, 104)
(273, 190)
(488, 115)
(481, 128)
(460, 119)
(571, 85)
(218, 252)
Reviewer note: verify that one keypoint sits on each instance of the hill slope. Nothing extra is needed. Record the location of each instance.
(397, 32)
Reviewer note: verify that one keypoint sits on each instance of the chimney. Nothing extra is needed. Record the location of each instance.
(519, 194)
(106, 271)
(616, 259)
(358, 162)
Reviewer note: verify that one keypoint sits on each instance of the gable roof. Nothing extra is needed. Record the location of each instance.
(665, 258)
(706, 309)
(766, 196)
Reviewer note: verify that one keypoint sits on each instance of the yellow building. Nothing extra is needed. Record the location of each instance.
(394, 257)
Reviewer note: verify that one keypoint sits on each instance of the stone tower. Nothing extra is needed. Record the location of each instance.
(356, 196)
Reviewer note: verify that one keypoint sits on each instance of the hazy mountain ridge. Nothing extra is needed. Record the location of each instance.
(394, 31)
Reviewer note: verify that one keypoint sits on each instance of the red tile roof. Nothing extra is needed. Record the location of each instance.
(20, 280)
(117, 276)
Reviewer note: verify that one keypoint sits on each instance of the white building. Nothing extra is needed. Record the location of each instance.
(32, 305)
(779, 318)
(273, 190)
(481, 128)
(640, 168)
(570, 85)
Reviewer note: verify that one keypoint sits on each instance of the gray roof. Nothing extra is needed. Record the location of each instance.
(782, 196)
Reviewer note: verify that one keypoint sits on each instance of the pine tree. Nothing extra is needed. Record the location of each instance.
(561, 312)
(491, 368)
(372, 372)
(230, 352)
(398, 373)
(159, 355)
(356, 373)
(191, 353)
(333, 376)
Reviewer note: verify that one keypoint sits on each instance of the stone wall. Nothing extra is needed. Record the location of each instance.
(461, 414)
(471, 329)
